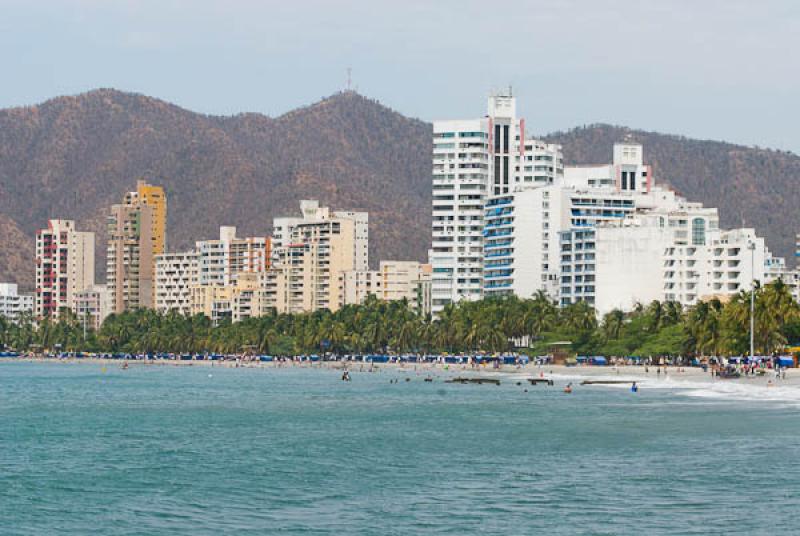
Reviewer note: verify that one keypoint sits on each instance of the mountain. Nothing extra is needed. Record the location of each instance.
(72, 157)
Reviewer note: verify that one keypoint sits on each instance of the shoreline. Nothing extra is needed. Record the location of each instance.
(612, 373)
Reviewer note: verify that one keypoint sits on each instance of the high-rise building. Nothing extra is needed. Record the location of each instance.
(316, 250)
(64, 266)
(609, 236)
(220, 261)
(474, 161)
(14, 304)
(152, 196)
(176, 274)
(136, 234)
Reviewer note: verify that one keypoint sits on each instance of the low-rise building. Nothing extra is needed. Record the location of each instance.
(92, 306)
(14, 304)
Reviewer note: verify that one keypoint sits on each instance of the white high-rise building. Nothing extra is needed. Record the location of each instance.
(176, 274)
(607, 235)
(474, 161)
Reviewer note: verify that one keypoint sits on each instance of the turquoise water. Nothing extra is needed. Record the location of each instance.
(168, 450)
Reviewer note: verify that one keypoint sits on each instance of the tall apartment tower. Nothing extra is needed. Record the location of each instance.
(136, 234)
(474, 161)
(315, 251)
(64, 266)
(220, 261)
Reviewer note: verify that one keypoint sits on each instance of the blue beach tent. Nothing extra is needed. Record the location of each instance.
(599, 361)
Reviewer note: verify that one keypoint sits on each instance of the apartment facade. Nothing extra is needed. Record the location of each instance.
(473, 162)
(130, 259)
(314, 252)
(92, 306)
(64, 266)
(176, 274)
(136, 234)
(13, 304)
(220, 261)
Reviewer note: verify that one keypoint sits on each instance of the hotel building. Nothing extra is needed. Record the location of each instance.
(474, 161)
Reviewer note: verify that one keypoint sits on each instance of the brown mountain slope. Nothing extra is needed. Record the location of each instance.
(72, 157)
(752, 187)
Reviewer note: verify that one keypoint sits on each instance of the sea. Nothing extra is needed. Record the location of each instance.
(151, 450)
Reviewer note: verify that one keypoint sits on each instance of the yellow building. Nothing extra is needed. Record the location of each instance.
(136, 234)
(152, 196)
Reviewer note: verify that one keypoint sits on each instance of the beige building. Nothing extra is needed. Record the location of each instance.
(176, 274)
(92, 306)
(315, 251)
(130, 260)
(408, 280)
(64, 266)
(359, 284)
(220, 261)
(236, 302)
(394, 280)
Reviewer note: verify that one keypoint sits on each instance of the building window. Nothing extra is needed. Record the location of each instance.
(698, 232)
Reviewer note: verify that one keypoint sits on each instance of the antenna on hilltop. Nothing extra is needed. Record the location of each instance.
(349, 79)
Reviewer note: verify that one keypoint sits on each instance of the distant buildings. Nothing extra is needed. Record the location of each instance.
(14, 305)
(394, 280)
(509, 218)
(136, 234)
(64, 267)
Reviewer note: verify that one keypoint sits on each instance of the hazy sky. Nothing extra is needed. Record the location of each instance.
(723, 69)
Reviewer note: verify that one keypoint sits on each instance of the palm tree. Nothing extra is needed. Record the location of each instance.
(612, 324)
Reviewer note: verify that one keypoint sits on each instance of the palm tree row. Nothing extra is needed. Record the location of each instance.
(489, 325)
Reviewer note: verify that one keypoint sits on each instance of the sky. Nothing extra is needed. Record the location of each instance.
(708, 69)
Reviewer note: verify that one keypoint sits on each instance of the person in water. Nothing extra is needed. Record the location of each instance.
(634, 388)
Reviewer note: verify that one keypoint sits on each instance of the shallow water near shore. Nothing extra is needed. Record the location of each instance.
(201, 450)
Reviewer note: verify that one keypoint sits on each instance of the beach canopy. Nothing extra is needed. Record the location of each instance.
(599, 360)
(786, 361)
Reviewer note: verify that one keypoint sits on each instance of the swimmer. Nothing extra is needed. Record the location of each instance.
(568, 388)
(634, 388)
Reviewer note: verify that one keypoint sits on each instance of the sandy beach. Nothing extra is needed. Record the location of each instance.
(649, 376)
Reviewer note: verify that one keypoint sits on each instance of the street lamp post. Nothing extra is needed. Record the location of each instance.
(752, 247)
